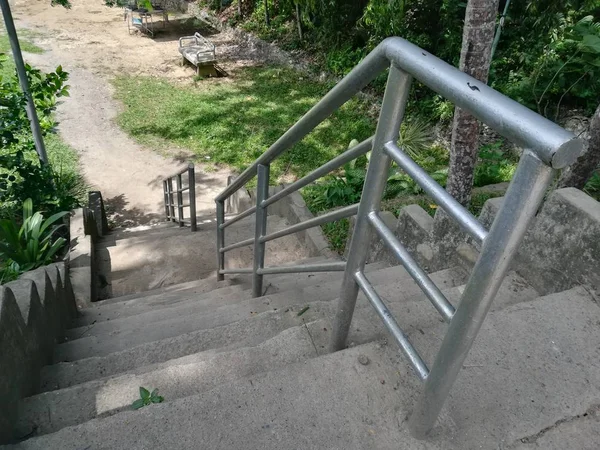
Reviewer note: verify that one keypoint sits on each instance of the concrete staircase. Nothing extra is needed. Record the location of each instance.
(238, 372)
(143, 258)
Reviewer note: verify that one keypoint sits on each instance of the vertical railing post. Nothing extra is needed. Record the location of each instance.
(220, 239)
(179, 200)
(262, 192)
(166, 196)
(192, 193)
(388, 126)
(521, 202)
(171, 201)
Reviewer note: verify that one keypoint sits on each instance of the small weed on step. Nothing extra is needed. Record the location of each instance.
(147, 398)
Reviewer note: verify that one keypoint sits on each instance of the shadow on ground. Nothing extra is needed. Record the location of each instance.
(119, 214)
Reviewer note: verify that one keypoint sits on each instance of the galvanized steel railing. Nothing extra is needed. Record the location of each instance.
(173, 198)
(548, 147)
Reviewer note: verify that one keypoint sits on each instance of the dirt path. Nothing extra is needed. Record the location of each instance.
(92, 43)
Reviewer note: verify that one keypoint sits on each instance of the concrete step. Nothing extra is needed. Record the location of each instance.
(153, 308)
(92, 357)
(177, 378)
(186, 317)
(205, 284)
(534, 365)
(170, 256)
(155, 302)
(51, 411)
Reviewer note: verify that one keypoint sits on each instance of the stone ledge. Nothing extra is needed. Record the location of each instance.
(82, 273)
(34, 311)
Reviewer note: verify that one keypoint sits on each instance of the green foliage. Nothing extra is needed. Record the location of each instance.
(147, 398)
(234, 123)
(9, 271)
(566, 70)
(337, 234)
(547, 57)
(32, 242)
(52, 188)
(493, 166)
(592, 187)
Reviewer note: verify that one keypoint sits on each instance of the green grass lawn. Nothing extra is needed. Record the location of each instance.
(234, 121)
(8, 68)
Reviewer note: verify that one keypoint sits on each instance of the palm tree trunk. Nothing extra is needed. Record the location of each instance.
(475, 58)
(585, 166)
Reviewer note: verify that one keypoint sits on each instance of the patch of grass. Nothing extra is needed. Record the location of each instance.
(233, 122)
(337, 234)
(62, 156)
(26, 46)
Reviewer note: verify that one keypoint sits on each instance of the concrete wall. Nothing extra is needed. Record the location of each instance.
(34, 311)
(561, 249)
(83, 232)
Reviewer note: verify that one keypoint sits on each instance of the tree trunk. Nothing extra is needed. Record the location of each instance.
(583, 169)
(475, 58)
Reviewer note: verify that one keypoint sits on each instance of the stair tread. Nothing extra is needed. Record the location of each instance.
(171, 256)
(175, 304)
(190, 317)
(95, 361)
(506, 391)
(177, 378)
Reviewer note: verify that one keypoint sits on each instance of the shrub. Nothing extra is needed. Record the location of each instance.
(51, 189)
(31, 244)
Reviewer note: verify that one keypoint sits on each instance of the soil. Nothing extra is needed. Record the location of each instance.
(92, 42)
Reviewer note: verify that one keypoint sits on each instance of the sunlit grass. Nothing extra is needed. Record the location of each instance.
(235, 121)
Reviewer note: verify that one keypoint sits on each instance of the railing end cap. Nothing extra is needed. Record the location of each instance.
(567, 153)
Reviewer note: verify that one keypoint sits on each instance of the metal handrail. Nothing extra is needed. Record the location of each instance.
(548, 147)
(169, 201)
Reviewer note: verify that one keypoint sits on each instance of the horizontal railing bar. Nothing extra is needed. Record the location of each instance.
(183, 205)
(237, 245)
(300, 268)
(350, 154)
(240, 216)
(373, 64)
(231, 271)
(439, 300)
(316, 221)
(183, 189)
(407, 348)
(454, 209)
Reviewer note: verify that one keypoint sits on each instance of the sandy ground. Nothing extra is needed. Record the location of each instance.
(92, 42)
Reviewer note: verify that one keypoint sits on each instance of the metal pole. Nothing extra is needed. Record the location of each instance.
(262, 193)
(499, 30)
(220, 239)
(267, 20)
(392, 112)
(179, 200)
(522, 200)
(166, 195)
(24, 82)
(171, 202)
(192, 193)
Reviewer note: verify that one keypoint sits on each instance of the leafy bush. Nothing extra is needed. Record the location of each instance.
(493, 166)
(547, 56)
(50, 188)
(567, 71)
(32, 243)
(592, 187)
